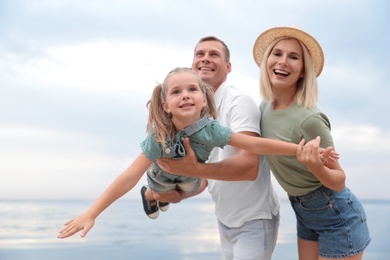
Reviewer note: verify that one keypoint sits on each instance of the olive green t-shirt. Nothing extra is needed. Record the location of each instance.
(292, 125)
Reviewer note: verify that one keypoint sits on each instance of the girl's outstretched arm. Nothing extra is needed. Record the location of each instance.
(120, 186)
(263, 146)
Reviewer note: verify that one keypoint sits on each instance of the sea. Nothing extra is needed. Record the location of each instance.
(188, 230)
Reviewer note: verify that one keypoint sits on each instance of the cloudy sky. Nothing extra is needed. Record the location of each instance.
(75, 77)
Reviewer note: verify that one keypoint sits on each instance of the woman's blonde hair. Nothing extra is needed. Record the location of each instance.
(307, 89)
(160, 122)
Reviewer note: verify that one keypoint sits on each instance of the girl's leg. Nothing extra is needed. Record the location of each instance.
(149, 194)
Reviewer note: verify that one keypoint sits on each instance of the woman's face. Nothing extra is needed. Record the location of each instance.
(285, 64)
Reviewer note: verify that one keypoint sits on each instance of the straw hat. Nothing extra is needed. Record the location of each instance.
(270, 35)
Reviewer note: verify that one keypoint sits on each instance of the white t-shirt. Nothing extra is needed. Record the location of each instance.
(237, 202)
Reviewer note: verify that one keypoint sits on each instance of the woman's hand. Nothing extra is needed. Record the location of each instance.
(310, 154)
(313, 153)
(323, 164)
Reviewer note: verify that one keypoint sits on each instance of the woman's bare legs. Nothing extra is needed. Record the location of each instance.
(308, 250)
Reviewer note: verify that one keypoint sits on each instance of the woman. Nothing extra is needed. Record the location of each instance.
(331, 222)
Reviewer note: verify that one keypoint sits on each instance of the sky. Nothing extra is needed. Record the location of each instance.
(75, 77)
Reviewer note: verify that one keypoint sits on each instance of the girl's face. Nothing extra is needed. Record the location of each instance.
(285, 64)
(184, 99)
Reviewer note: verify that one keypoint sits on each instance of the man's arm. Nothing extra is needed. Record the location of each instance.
(240, 167)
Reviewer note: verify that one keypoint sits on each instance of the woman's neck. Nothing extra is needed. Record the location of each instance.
(283, 99)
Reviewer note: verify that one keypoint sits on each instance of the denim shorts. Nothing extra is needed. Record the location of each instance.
(336, 220)
(163, 182)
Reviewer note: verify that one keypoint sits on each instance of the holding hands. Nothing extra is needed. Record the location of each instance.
(313, 156)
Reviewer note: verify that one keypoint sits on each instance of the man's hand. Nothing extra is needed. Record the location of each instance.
(186, 166)
(174, 196)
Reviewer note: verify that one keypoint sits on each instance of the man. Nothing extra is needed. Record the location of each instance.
(246, 204)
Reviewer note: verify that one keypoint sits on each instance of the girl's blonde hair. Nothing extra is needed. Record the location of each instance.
(307, 90)
(160, 122)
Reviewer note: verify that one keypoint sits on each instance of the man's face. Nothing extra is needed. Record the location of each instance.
(209, 61)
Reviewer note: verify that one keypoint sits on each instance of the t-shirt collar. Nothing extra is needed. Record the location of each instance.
(219, 94)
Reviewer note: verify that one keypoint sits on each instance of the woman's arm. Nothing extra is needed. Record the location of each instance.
(329, 173)
(120, 186)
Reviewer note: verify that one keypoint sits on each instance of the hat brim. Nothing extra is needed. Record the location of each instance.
(264, 40)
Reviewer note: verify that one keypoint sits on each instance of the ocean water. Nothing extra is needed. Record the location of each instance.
(188, 230)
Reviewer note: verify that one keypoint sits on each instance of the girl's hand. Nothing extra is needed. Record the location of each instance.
(83, 222)
(328, 154)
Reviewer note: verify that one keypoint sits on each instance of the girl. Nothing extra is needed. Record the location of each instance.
(179, 107)
(331, 221)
